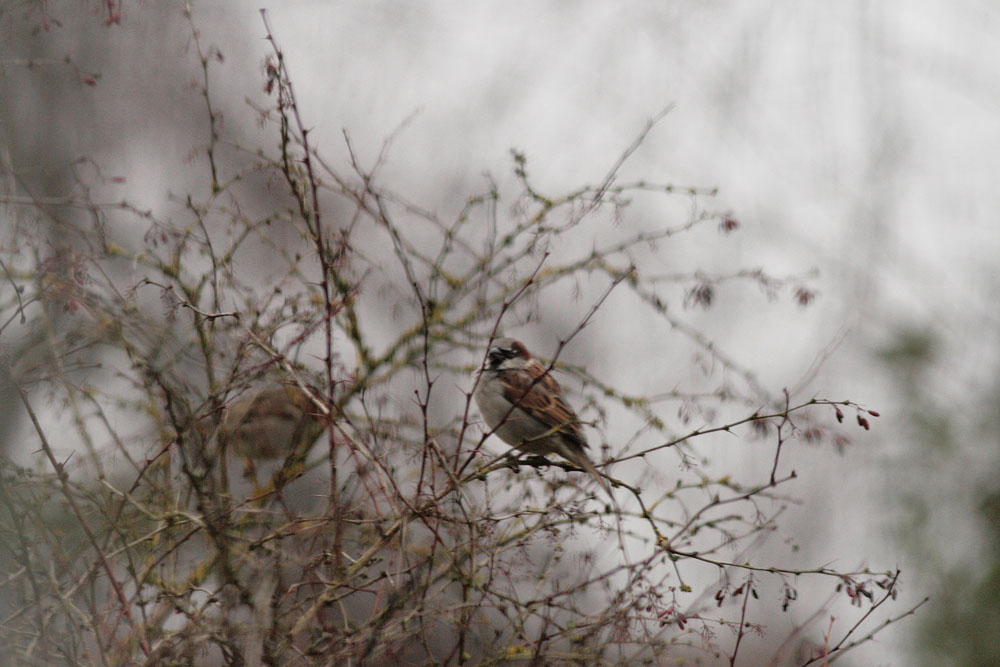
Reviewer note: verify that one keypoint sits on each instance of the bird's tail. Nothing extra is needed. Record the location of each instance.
(580, 458)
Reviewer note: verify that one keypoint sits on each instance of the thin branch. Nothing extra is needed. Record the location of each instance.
(63, 477)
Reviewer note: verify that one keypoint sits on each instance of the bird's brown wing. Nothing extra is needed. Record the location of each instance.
(537, 393)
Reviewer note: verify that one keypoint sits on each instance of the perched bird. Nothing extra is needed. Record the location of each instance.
(272, 422)
(524, 406)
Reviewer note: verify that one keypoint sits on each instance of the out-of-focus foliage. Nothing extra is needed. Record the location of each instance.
(949, 475)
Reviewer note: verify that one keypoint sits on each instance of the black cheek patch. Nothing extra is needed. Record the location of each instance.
(498, 355)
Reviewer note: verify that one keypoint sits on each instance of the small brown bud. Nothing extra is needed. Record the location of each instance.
(728, 224)
(803, 296)
(700, 295)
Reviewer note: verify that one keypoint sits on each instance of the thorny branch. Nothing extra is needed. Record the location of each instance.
(401, 540)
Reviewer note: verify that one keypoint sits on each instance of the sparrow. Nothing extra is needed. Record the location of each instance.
(273, 422)
(524, 406)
